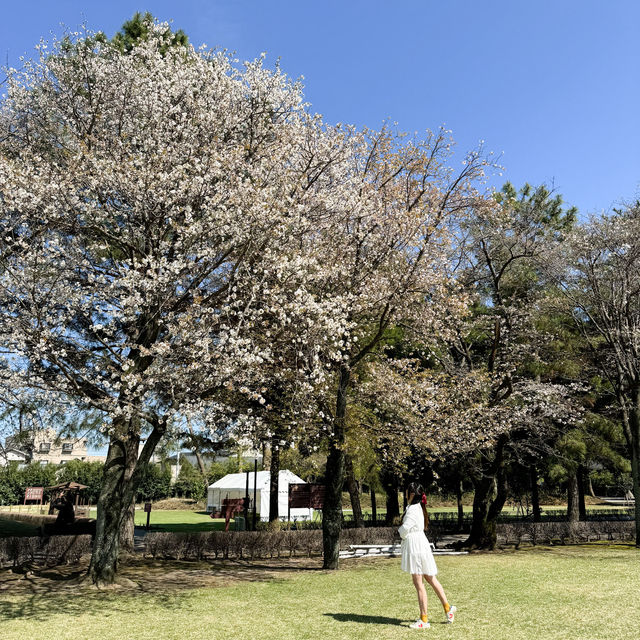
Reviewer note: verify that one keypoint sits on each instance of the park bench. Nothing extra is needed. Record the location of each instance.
(389, 550)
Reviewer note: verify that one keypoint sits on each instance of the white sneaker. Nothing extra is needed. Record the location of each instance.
(451, 614)
(418, 624)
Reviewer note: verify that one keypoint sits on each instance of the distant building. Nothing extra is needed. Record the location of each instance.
(47, 447)
(12, 454)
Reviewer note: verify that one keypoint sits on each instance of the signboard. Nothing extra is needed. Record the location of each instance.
(147, 507)
(306, 496)
(34, 493)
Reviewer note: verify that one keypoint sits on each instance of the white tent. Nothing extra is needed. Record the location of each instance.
(234, 486)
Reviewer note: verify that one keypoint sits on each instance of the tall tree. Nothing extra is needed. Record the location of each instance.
(599, 273)
(150, 203)
(391, 243)
(499, 252)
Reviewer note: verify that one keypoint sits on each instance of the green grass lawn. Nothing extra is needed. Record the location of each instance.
(563, 593)
(180, 521)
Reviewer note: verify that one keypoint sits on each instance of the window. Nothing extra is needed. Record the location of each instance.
(45, 447)
(67, 447)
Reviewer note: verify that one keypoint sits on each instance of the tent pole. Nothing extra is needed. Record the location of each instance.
(246, 503)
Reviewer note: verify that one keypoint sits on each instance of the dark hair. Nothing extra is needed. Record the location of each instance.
(417, 490)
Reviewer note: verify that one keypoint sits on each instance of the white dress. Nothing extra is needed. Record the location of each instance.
(417, 557)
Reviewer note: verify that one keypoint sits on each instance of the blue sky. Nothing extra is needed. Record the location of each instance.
(551, 84)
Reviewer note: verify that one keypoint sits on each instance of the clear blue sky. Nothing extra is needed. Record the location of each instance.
(553, 84)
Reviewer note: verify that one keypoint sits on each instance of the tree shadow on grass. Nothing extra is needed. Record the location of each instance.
(37, 593)
(357, 617)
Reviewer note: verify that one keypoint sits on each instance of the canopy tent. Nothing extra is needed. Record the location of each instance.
(234, 486)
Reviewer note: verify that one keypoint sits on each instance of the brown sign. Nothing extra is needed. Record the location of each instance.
(147, 507)
(306, 496)
(34, 493)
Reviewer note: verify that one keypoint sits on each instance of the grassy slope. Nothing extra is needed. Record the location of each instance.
(9, 527)
(569, 593)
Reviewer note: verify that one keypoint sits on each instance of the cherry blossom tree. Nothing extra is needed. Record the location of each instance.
(391, 247)
(152, 205)
(500, 247)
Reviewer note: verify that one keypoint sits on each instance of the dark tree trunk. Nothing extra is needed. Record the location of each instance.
(582, 507)
(122, 472)
(634, 428)
(354, 491)
(486, 507)
(127, 530)
(390, 486)
(483, 532)
(535, 493)
(274, 468)
(332, 510)
(459, 493)
(374, 514)
(266, 456)
(573, 513)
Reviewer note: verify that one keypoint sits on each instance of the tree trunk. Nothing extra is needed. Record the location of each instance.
(390, 486)
(196, 451)
(354, 491)
(332, 510)
(573, 513)
(266, 456)
(582, 507)
(122, 472)
(634, 427)
(483, 532)
(535, 494)
(374, 514)
(486, 508)
(274, 468)
(127, 530)
(459, 492)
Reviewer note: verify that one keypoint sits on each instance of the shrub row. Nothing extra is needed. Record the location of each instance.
(255, 544)
(35, 519)
(563, 532)
(43, 551)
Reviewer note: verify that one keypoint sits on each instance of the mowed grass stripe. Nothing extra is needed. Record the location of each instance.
(572, 593)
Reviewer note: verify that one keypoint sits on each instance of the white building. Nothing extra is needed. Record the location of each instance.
(12, 454)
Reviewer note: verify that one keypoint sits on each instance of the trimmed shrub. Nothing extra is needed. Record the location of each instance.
(43, 551)
(565, 532)
(255, 544)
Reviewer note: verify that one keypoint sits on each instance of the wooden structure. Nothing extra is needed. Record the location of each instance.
(68, 492)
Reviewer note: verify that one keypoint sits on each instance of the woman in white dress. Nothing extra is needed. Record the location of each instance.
(417, 557)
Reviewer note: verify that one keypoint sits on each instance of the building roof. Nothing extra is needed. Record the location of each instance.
(69, 486)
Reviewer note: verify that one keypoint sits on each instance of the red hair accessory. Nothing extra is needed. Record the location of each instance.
(424, 499)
